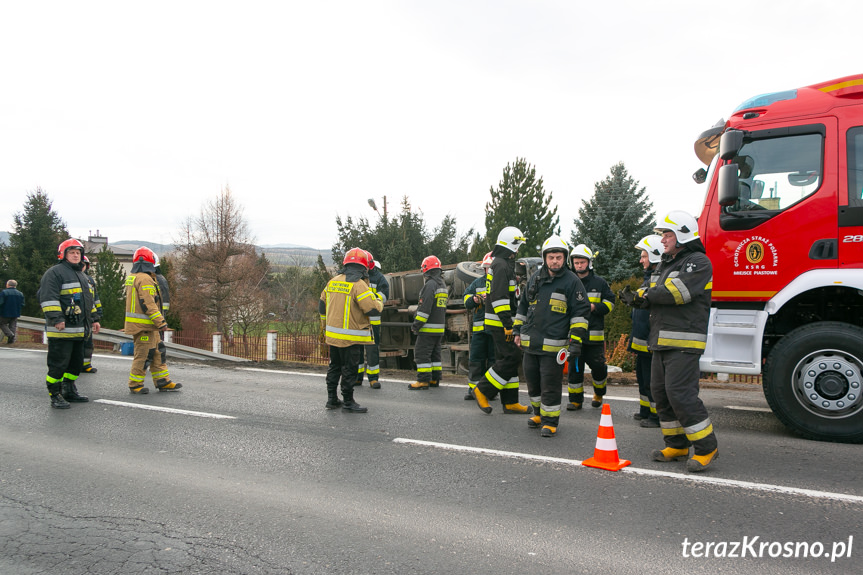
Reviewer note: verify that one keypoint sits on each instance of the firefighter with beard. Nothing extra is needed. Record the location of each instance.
(97, 316)
(144, 322)
(345, 304)
(370, 363)
(651, 254)
(481, 344)
(552, 316)
(500, 304)
(429, 324)
(68, 305)
(593, 352)
(679, 307)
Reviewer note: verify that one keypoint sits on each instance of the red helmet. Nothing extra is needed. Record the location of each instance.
(487, 259)
(86, 261)
(357, 256)
(145, 254)
(430, 263)
(67, 245)
(371, 263)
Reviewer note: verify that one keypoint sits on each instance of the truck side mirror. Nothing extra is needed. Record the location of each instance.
(728, 185)
(730, 144)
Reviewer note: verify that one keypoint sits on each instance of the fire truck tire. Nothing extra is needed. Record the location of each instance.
(468, 271)
(813, 381)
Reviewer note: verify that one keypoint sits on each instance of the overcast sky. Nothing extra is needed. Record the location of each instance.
(132, 115)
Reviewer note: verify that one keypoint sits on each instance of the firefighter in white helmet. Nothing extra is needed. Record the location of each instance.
(500, 305)
(679, 306)
(481, 344)
(551, 318)
(593, 352)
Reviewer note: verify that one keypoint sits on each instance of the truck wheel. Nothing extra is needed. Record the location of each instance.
(468, 271)
(813, 380)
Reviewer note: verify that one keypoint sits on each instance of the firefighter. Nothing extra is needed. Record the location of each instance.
(165, 295)
(429, 324)
(97, 316)
(144, 321)
(500, 303)
(679, 307)
(345, 304)
(552, 316)
(593, 352)
(651, 253)
(68, 305)
(481, 355)
(370, 357)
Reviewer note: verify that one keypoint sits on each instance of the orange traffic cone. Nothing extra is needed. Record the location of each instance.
(605, 455)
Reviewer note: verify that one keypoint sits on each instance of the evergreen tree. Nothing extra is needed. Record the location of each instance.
(110, 283)
(521, 201)
(612, 221)
(36, 233)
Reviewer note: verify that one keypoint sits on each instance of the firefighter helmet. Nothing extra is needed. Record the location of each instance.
(430, 263)
(371, 262)
(486, 260)
(555, 244)
(144, 254)
(86, 261)
(68, 245)
(357, 256)
(653, 246)
(684, 226)
(377, 264)
(511, 238)
(584, 252)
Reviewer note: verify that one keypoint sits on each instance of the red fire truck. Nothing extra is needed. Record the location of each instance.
(783, 225)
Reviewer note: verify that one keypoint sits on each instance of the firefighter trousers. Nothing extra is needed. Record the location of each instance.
(344, 362)
(682, 416)
(427, 355)
(647, 407)
(88, 350)
(594, 356)
(544, 386)
(502, 376)
(65, 358)
(481, 356)
(370, 358)
(146, 346)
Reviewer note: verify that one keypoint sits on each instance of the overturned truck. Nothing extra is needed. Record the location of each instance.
(397, 341)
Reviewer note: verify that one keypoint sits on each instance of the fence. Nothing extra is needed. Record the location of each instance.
(283, 347)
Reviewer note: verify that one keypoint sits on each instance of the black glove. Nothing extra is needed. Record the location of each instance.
(626, 295)
(574, 349)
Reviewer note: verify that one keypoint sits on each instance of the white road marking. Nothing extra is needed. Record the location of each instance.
(165, 409)
(747, 408)
(810, 493)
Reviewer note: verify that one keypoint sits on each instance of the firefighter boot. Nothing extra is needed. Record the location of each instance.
(333, 401)
(597, 401)
(669, 454)
(548, 431)
(702, 462)
(70, 392)
(57, 401)
(374, 383)
(481, 400)
(139, 390)
(434, 383)
(573, 406)
(517, 408)
(650, 421)
(351, 406)
(419, 385)
(469, 394)
(167, 385)
(534, 422)
(89, 369)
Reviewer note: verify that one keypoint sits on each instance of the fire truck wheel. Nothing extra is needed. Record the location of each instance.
(468, 271)
(813, 381)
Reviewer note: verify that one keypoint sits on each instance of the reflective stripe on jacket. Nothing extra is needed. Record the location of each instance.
(556, 316)
(64, 300)
(143, 304)
(347, 305)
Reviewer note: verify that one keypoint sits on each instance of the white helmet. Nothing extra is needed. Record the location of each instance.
(582, 251)
(653, 246)
(377, 264)
(555, 244)
(684, 226)
(511, 238)
(486, 260)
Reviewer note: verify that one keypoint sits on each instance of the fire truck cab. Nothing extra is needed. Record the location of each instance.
(782, 223)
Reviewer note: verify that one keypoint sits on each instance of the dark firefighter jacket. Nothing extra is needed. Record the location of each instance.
(500, 302)
(552, 312)
(680, 301)
(381, 288)
(602, 298)
(431, 308)
(65, 296)
(641, 317)
(476, 288)
(97, 305)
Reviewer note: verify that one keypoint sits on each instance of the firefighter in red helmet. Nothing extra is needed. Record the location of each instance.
(69, 309)
(429, 324)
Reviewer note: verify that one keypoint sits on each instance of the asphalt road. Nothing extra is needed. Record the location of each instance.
(254, 476)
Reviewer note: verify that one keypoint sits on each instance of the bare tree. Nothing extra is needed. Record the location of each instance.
(294, 297)
(218, 268)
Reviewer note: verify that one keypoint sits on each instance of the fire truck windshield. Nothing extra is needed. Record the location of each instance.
(776, 173)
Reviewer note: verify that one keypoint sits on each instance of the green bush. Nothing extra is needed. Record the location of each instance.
(619, 321)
